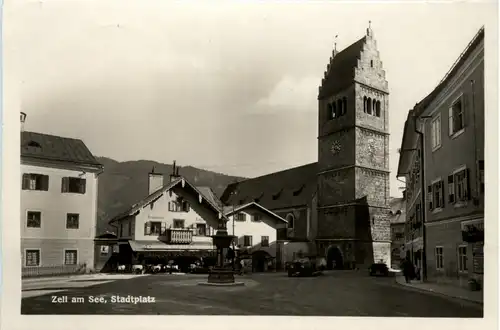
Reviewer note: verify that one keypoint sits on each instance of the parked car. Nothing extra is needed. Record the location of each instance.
(302, 268)
(379, 269)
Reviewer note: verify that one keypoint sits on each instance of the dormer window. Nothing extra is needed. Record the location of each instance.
(298, 191)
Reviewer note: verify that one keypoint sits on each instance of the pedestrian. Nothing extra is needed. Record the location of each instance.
(407, 269)
(242, 267)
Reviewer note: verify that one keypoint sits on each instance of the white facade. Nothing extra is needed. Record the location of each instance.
(50, 233)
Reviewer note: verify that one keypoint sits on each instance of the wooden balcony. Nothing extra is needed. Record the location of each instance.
(178, 236)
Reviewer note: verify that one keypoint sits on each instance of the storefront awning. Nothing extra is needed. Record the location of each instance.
(154, 246)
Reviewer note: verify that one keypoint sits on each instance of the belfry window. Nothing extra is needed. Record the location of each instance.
(339, 108)
(369, 106)
(330, 110)
(344, 106)
(377, 109)
(364, 104)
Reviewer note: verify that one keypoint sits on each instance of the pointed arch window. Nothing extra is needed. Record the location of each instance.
(377, 109)
(344, 106)
(334, 110)
(365, 104)
(369, 106)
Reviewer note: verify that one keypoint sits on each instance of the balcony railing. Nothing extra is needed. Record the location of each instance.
(178, 236)
(52, 270)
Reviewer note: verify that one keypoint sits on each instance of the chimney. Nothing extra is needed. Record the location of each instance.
(155, 181)
(175, 173)
(23, 119)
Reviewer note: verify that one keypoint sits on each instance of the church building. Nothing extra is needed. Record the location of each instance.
(338, 208)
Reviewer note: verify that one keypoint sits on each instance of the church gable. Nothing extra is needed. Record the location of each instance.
(369, 70)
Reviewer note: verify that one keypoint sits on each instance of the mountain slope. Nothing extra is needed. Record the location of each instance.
(124, 183)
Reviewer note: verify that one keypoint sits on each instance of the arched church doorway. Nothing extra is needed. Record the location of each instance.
(334, 259)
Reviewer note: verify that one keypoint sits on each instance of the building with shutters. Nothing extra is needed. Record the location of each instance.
(175, 222)
(451, 209)
(59, 177)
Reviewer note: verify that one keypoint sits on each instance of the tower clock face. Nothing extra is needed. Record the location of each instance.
(336, 147)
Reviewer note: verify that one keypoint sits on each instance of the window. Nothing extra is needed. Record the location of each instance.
(72, 221)
(438, 194)
(462, 258)
(369, 106)
(364, 104)
(70, 257)
(35, 182)
(458, 186)
(153, 228)
(178, 224)
(436, 132)
(377, 109)
(329, 110)
(32, 257)
(481, 175)
(371, 63)
(73, 185)
(201, 229)
(290, 219)
(121, 230)
(34, 219)
(257, 217)
(439, 257)
(264, 241)
(174, 207)
(339, 108)
(240, 217)
(185, 207)
(456, 117)
(247, 240)
(344, 106)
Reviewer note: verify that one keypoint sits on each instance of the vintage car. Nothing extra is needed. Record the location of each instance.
(302, 267)
(379, 269)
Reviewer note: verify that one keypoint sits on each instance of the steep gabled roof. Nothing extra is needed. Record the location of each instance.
(291, 187)
(56, 148)
(340, 73)
(158, 193)
(210, 195)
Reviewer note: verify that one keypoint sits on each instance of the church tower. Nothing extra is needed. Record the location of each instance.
(353, 228)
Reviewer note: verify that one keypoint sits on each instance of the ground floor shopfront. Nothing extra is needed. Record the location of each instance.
(455, 251)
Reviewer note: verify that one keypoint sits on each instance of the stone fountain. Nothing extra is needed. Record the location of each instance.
(221, 275)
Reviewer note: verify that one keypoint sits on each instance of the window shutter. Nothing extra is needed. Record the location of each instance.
(442, 194)
(147, 228)
(467, 182)
(163, 228)
(64, 185)
(465, 102)
(169, 206)
(45, 183)
(451, 189)
(450, 121)
(83, 185)
(26, 181)
(429, 197)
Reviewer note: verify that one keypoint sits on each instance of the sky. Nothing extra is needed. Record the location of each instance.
(229, 87)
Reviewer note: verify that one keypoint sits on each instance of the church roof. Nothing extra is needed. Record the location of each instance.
(340, 73)
(289, 188)
(56, 148)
